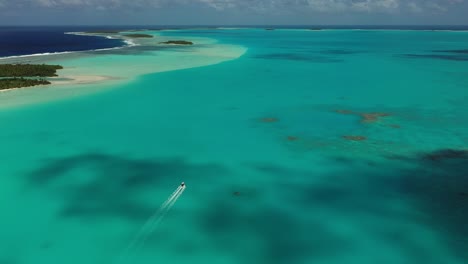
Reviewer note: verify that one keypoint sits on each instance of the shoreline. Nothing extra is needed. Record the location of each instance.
(80, 79)
(129, 43)
(68, 80)
(90, 71)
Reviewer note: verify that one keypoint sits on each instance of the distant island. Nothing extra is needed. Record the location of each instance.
(178, 42)
(103, 31)
(138, 36)
(111, 31)
(26, 75)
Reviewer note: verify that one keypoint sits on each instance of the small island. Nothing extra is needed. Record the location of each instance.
(138, 36)
(10, 83)
(111, 31)
(29, 70)
(177, 42)
(103, 32)
(26, 75)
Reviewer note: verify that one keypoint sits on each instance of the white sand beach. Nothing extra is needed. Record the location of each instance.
(98, 69)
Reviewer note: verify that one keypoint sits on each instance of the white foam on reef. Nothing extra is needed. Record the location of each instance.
(35, 55)
(128, 42)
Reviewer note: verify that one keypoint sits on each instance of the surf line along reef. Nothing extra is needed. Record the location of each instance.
(26, 75)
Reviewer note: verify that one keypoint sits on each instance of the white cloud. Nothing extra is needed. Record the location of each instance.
(414, 7)
(220, 4)
(333, 5)
(432, 6)
(375, 5)
(96, 3)
(326, 5)
(436, 6)
(255, 5)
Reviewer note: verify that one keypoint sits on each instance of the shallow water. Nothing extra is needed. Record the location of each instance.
(259, 142)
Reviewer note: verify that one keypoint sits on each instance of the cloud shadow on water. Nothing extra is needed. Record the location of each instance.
(450, 57)
(279, 237)
(98, 186)
(298, 57)
(435, 189)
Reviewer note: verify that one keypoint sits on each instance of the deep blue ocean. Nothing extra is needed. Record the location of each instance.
(15, 41)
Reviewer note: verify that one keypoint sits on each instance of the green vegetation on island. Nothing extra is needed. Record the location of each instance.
(178, 42)
(12, 75)
(111, 31)
(103, 31)
(138, 36)
(10, 83)
(29, 70)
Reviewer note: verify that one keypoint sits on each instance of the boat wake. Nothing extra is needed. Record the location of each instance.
(151, 224)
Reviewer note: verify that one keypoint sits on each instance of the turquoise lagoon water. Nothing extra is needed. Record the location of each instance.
(260, 142)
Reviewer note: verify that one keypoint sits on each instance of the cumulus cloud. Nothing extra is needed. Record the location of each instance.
(255, 5)
(333, 5)
(373, 5)
(97, 3)
(414, 7)
(432, 5)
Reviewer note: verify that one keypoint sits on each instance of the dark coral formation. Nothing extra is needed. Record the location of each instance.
(236, 193)
(446, 154)
(366, 117)
(451, 55)
(177, 42)
(372, 117)
(292, 138)
(269, 120)
(355, 138)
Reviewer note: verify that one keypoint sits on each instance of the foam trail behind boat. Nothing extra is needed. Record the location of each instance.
(156, 223)
(149, 225)
(161, 208)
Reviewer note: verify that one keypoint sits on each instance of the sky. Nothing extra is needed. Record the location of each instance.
(233, 12)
